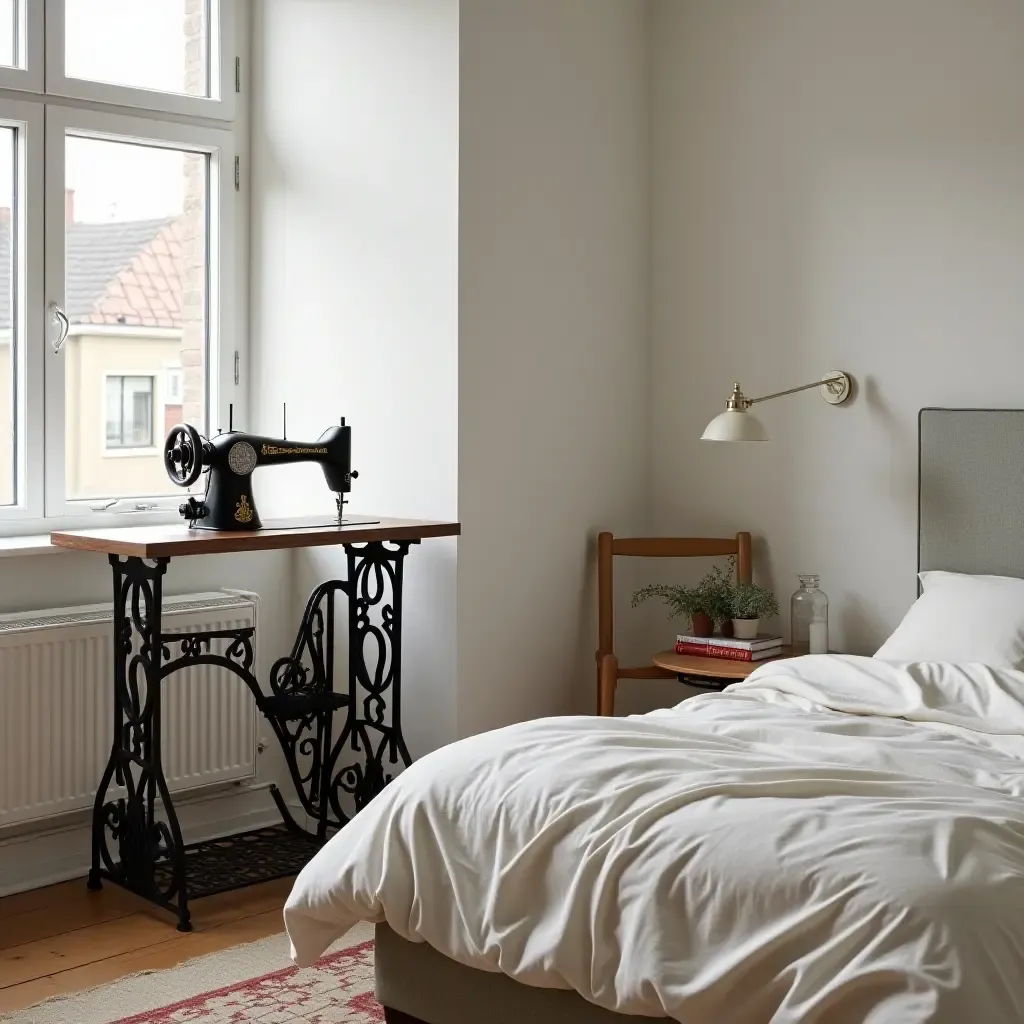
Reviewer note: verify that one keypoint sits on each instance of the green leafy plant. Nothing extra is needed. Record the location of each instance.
(712, 595)
(749, 601)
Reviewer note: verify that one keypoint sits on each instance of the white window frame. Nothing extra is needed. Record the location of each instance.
(224, 17)
(28, 75)
(27, 312)
(220, 145)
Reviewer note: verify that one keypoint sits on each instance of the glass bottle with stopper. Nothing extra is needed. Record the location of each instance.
(809, 617)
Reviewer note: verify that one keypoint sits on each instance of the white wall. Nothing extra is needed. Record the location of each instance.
(355, 138)
(836, 185)
(553, 346)
(460, 266)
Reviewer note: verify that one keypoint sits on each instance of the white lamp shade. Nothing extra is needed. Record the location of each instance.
(734, 425)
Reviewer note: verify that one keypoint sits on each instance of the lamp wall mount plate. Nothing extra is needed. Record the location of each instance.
(838, 387)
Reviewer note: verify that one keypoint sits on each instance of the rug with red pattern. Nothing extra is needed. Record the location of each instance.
(339, 990)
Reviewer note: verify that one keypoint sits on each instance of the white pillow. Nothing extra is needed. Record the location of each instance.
(962, 619)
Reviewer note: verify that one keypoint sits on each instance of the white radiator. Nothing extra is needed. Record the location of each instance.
(56, 707)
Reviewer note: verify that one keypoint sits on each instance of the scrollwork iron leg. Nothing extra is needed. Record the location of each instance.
(373, 730)
(335, 777)
(138, 831)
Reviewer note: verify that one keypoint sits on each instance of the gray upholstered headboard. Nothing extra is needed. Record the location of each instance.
(971, 491)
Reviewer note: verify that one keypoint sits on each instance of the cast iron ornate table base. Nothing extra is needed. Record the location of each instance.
(136, 838)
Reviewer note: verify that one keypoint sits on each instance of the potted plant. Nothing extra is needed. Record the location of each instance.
(748, 604)
(703, 605)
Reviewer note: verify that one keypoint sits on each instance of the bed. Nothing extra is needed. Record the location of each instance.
(835, 839)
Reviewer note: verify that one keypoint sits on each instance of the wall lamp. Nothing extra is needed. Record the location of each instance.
(738, 423)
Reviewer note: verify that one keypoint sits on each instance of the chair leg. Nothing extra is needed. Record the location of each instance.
(607, 680)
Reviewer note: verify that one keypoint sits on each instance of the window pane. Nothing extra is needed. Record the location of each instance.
(8, 32)
(114, 385)
(145, 44)
(136, 257)
(8, 320)
(174, 383)
(129, 412)
(138, 412)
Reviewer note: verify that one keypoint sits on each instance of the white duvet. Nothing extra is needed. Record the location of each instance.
(837, 839)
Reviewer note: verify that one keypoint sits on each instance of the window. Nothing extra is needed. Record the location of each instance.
(173, 384)
(8, 33)
(129, 412)
(119, 248)
(136, 263)
(153, 44)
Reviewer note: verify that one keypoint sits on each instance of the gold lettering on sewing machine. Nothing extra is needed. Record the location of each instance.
(243, 510)
(273, 449)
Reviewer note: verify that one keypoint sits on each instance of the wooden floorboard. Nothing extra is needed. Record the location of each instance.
(55, 919)
(65, 894)
(56, 943)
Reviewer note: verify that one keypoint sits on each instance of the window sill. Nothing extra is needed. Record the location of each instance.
(32, 537)
(131, 453)
(32, 544)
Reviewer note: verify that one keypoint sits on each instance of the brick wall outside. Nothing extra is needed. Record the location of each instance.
(194, 246)
(195, 47)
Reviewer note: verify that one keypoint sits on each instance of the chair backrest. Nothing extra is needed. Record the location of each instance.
(609, 546)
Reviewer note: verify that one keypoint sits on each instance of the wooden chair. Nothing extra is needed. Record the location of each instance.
(608, 670)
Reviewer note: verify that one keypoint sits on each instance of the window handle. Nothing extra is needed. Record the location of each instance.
(138, 506)
(58, 318)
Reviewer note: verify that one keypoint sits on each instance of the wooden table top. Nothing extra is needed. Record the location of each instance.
(712, 668)
(169, 541)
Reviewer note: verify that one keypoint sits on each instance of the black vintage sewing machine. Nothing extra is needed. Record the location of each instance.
(230, 458)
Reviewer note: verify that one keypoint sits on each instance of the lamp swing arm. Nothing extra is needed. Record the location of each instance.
(838, 378)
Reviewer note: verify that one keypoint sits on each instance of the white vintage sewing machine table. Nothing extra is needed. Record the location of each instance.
(136, 839)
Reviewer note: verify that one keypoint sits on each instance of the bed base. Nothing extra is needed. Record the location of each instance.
(417, 985)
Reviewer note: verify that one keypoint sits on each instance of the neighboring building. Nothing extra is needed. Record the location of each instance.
(123, 355)
(125, 382)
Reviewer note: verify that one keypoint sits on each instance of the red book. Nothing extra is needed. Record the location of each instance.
(731, 653)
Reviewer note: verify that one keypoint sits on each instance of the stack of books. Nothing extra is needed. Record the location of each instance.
(763, 646)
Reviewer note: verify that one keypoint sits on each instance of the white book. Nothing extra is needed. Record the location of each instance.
(761, 641)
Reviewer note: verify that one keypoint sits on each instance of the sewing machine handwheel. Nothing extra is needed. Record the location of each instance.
(183, 455)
